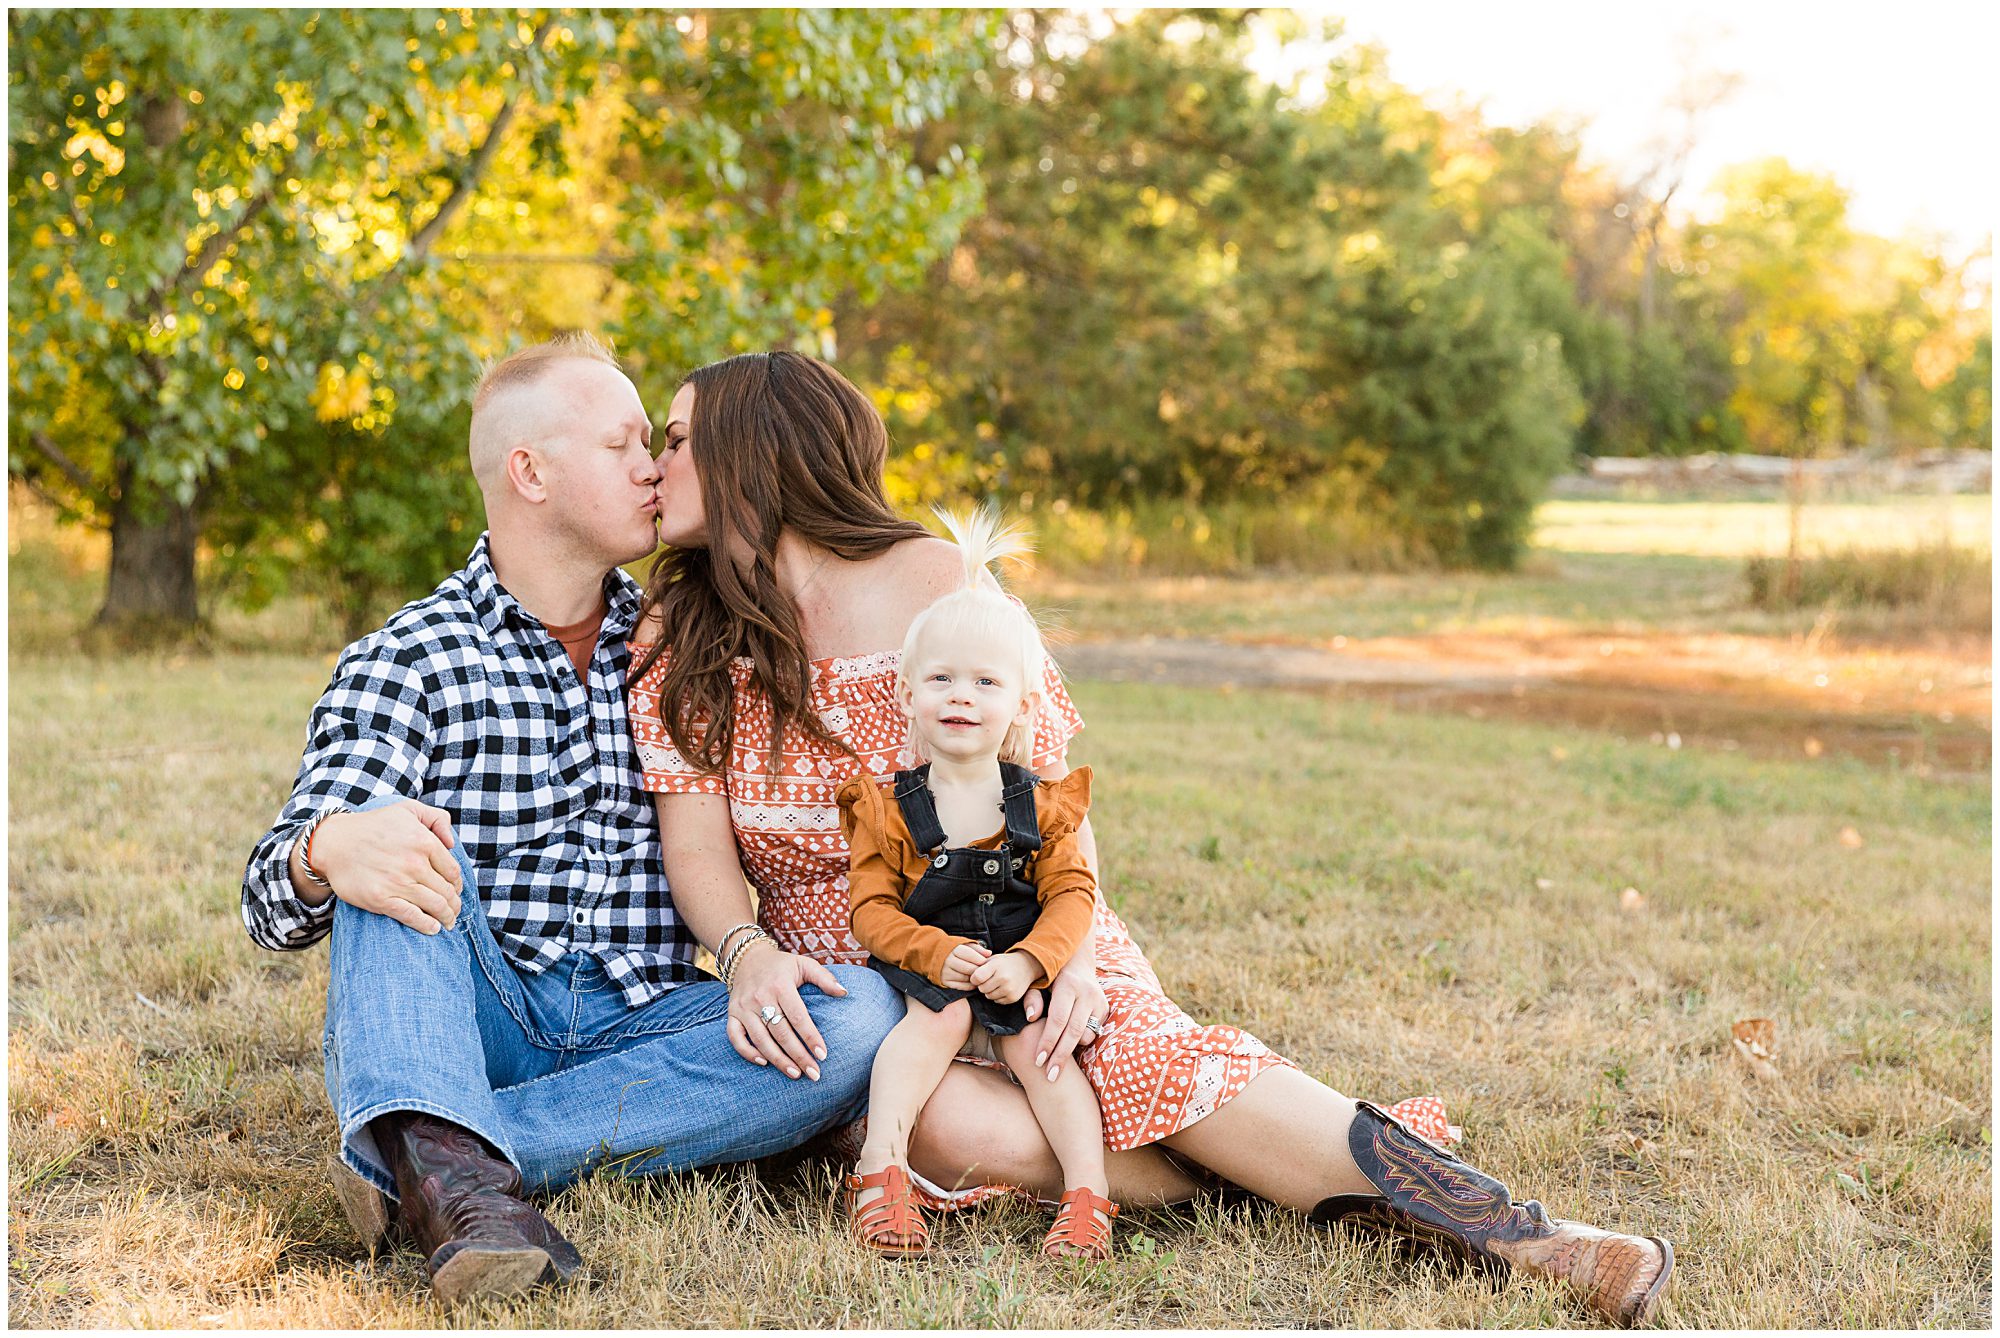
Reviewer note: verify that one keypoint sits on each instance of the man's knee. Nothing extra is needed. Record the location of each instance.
(857, 1021)
(869, 998)
(350, 920)
(458, 855)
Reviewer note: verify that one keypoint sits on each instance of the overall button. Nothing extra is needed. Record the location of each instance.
(986, 897)
(940, 862)
(992, 866)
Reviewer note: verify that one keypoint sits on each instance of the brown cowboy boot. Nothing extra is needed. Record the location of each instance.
(462, 1203)
(1432, 1195)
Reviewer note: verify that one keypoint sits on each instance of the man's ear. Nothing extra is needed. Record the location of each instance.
(527, 474)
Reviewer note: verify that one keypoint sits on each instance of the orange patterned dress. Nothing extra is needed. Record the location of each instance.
(1155, 1069)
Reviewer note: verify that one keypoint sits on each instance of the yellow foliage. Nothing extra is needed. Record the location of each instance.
(341, 394)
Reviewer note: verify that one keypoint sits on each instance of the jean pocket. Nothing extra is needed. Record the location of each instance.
(700, 1003)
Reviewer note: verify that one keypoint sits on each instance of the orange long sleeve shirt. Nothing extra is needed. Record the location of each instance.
(884, 866)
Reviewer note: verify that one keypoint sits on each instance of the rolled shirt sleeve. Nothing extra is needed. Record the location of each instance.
(369, 739)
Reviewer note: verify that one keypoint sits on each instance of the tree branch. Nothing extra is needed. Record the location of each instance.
(78, 476)
(467, 181)
(204, 259)
(462, 188)
(41, 490)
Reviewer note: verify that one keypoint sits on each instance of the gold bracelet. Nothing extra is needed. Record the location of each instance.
(736, 955)
(722, 944)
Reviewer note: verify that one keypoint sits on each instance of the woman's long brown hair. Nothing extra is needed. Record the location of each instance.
(780, 441)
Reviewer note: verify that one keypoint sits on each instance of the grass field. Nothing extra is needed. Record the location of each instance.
(1596, 566)
(1403, 902)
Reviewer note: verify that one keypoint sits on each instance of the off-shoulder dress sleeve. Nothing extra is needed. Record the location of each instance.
(662, 768)
(1058, 721)
(1064, 884)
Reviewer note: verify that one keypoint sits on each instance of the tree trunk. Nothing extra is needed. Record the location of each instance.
(151, 587)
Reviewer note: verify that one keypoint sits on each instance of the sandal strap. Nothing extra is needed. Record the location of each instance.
(885, 1179)
(1088, 1200)
(1077, 1222)
(896, 1211)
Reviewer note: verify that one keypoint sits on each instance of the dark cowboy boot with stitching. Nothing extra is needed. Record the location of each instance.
(1432, 1195)
(462, 1204)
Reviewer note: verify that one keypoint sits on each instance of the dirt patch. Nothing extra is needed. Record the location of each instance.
(1928, 711)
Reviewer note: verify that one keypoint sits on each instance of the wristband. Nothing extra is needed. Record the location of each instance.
(305, 846)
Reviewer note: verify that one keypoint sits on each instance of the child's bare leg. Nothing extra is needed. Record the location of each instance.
(913, 1058)
(1067, 1111)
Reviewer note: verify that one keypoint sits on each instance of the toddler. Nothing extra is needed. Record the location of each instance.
(969, 890)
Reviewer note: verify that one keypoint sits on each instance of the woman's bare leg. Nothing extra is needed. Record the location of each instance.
(979, 1129)
(1283, 1138)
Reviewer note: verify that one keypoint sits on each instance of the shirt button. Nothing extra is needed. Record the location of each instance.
(579, 917)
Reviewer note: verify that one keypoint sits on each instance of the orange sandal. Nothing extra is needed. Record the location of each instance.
(1079, 1226)
(895, 1214)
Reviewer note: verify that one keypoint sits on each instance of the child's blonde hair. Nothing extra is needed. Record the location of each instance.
(977, 610)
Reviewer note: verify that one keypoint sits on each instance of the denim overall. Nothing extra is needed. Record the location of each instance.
(977, 894)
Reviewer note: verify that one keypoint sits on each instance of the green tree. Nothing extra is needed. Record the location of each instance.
(1188, 283)
(258, 255)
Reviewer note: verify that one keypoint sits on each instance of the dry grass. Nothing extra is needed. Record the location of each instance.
(1357, 885)
(1361, 886)
(1710, 528)
(1625, 567)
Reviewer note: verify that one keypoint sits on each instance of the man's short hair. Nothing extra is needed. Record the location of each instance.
(525, 366)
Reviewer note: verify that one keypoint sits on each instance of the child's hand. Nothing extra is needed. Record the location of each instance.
(964, 960)
(1007, 977)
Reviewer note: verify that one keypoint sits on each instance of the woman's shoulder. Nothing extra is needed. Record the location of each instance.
(932, 567)
(924, 568)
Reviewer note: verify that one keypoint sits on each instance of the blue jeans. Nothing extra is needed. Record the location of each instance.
(554, 1069)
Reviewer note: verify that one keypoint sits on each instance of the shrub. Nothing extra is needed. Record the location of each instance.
(1322, 528)
(1950, 587)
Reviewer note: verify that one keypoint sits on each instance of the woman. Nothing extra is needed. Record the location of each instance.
(765, 676)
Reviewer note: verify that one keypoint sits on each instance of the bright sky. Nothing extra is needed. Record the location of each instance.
(1894, 100)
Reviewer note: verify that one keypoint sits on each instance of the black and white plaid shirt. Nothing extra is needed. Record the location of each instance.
(466, 702)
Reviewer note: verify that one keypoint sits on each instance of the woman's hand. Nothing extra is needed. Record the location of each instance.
(956, 974)
(767, 976)
(1075, 997)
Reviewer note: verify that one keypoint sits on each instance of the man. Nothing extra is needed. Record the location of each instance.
(514, 998)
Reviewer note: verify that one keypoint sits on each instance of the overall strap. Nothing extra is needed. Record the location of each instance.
(1017, 798)
(913, 797)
